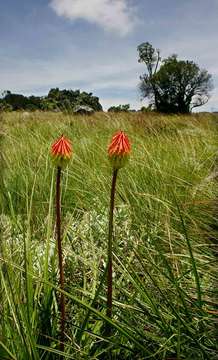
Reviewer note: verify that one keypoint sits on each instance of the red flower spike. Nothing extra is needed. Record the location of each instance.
(119, 150)
(61, 151)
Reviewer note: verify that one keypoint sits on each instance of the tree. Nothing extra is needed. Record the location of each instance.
(68, 99)
(56, 100)
(16, 101)
(174, 86)
(146, 109)
(122, 108)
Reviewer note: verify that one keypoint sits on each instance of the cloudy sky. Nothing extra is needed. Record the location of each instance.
(92, 44)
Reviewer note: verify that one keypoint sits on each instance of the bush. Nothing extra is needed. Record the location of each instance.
(119, 108)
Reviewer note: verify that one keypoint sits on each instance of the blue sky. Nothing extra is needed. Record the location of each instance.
(92, 44)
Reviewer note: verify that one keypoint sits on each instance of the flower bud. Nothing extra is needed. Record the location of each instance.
(119, 150)
(61, 152)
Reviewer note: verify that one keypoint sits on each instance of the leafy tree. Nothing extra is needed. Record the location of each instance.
(124, 108)
(174, 86)
(68, 99)
(56, 100)
(17, 101)
(146, 108)
(33, 103)
(5, 107)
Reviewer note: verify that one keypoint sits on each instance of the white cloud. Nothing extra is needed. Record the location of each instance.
(112, 15)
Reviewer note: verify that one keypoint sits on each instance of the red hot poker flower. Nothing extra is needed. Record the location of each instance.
(61, 151)
(119, 150)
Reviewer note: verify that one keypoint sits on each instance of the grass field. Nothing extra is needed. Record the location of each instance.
(165, 288)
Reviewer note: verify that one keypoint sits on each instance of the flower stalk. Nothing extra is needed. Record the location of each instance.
(110, 249)
(61, 153)
(60, 255)
(118, 153)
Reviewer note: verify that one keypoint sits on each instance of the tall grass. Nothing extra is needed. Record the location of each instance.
(164, 249)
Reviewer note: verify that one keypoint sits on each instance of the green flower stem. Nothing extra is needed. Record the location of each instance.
(60, 255)
(110, 256)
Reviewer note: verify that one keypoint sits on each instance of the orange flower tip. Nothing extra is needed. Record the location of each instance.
(61, 151)
(119, 150)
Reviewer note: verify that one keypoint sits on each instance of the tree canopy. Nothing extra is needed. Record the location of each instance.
(172, 85)
(62, 100)
(120, 108)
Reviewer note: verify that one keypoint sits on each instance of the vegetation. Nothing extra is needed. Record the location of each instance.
(58, 100)
(119, 108)
(175, 86)
(164, 246)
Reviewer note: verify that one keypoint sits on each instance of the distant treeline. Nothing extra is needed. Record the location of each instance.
(56, 100)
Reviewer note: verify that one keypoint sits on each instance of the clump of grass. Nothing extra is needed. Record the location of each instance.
(164, 258)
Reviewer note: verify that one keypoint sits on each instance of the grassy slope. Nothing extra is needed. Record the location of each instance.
(164, 258)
